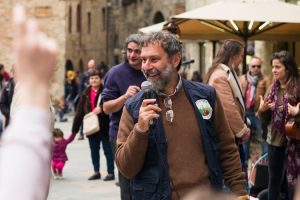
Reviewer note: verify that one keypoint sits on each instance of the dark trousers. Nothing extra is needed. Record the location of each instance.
(277, 172)
(123, 181)
(94, 141)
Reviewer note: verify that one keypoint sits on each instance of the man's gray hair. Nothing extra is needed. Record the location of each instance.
(164, 39)
(136, 38)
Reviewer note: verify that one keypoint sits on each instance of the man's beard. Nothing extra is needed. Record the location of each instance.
(160, 83)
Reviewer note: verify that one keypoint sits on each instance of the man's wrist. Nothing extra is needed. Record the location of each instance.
(125, 97)
(139, 130)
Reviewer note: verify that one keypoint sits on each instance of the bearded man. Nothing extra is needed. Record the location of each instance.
(179, 141)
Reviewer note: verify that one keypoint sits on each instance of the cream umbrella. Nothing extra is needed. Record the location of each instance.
(239, 19)
(242, 19)
(248, 20)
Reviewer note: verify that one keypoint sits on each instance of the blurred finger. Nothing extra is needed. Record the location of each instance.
(19, 21)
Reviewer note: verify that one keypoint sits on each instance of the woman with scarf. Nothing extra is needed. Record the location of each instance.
(280, 104)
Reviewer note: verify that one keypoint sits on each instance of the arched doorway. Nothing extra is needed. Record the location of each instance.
(69, 65)
(78, 20)
(158, 17)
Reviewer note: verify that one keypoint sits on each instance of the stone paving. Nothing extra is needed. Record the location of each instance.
(78, 168)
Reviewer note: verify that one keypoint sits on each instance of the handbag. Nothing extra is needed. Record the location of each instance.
(292, 129)
(90, 122)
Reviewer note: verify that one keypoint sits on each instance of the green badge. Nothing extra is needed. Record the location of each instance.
(204, 108)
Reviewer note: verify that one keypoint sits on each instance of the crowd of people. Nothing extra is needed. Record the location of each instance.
(174, 139)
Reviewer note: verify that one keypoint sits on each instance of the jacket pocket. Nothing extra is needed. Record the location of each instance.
(144, 191)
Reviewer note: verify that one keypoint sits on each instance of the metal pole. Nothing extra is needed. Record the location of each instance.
(245, 48)
(214, 43)
(108, 4)
(245, 57)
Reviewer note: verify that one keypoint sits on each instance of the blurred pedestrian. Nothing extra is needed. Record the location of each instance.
(103, 68)
(4, 73)
(254, 84)
(196, 77)
(85, 76)
(91, 65)
(122, 82)
(88, 102)
(6, 98)
(71, 90)
(165, 155)
(280, 104)
(59, 155)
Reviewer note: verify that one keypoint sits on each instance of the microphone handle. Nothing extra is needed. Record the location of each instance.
(149, 94)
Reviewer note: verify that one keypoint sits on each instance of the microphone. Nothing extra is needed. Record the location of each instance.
(187, 62)
(149, 93)
(148, 90)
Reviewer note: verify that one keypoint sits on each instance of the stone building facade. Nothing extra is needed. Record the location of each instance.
(86, 32)
(127, 16)
(97, 28)
(50, 15)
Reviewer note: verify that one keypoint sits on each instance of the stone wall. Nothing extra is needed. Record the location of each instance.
(127, 19)
(50, 15)
(90, 41)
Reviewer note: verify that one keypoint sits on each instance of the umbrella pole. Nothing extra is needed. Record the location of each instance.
(245, 37)
(214, 43)
(244, 71)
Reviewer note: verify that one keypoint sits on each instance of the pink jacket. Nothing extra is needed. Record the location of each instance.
(59, 149)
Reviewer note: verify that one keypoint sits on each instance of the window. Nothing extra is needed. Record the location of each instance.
(103, 19)
(78, 18)
(89, 22)
(70, 19)
(158, 17)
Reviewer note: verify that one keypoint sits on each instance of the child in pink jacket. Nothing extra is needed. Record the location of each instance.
(59, 156)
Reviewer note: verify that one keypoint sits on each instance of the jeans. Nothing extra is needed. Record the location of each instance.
(256, 131)
(123, 181)
(277, 172)
(94, 141)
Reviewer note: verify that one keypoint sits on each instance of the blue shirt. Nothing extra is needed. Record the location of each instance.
(116, 83)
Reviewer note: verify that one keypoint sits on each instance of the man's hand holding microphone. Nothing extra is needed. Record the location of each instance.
(149, 110)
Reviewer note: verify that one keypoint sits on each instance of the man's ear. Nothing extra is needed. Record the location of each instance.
(176, 60)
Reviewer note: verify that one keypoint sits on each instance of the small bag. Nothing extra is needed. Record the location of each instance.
(292, 129)
(90, 122)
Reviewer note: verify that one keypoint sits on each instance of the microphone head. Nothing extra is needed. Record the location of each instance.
(146, 86)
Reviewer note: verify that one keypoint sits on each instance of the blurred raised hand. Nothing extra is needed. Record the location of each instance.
(35, 60)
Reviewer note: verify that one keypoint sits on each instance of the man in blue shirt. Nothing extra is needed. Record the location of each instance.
(120, 83)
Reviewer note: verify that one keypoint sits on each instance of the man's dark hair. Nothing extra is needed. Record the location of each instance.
(94, 72)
